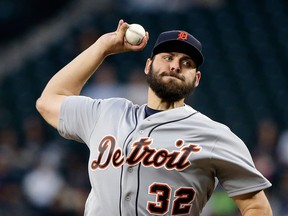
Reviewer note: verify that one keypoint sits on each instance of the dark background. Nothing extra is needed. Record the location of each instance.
(244, 81)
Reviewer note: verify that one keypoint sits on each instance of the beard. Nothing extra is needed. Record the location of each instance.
(172, 90)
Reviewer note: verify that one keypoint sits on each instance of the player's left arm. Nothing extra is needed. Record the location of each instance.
(253, 204)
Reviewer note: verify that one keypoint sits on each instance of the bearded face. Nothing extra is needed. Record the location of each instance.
(172, 89)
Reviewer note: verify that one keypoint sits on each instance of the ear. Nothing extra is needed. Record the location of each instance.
(197, 78)
(148, 66)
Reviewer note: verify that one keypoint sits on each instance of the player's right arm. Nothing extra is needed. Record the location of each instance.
(71, 78)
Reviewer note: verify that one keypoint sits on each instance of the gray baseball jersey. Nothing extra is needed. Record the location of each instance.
(165, 164)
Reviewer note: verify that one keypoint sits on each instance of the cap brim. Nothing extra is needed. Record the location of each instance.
(182, 47)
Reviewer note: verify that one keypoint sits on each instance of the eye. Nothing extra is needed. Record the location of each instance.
(168, 57)
(188, 63)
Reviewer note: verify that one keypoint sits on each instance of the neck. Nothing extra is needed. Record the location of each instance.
(157, 103)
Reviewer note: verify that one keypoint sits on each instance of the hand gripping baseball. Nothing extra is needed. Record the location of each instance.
(116, 43)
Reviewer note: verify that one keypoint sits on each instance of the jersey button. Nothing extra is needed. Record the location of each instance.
(130, 169)
(141, 132)
(128, 198)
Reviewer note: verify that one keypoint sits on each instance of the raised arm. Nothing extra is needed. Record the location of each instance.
(71, 78)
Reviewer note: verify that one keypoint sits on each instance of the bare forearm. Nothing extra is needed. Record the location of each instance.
(253, 204)
(71, 79)
(257, 212)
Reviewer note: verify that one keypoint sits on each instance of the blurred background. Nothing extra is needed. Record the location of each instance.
(244, 85)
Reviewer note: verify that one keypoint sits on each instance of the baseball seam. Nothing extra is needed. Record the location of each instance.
(136, 32)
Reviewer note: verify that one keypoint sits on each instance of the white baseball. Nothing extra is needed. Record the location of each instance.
(135, 34)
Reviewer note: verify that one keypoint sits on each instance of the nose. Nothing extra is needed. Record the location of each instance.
(175, 66)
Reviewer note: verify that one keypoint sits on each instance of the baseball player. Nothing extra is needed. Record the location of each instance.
(161, 158)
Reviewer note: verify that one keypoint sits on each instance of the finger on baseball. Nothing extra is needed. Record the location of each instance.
(145, 39)
(142, 45)
(121, 21)
(147, 36)
(123, 28)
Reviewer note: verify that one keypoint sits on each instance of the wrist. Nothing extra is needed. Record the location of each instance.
(102, 47)
(99, 50)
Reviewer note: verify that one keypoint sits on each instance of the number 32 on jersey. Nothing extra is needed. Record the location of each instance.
(181, 202)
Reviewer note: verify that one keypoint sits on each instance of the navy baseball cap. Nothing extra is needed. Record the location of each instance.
(179, 41)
